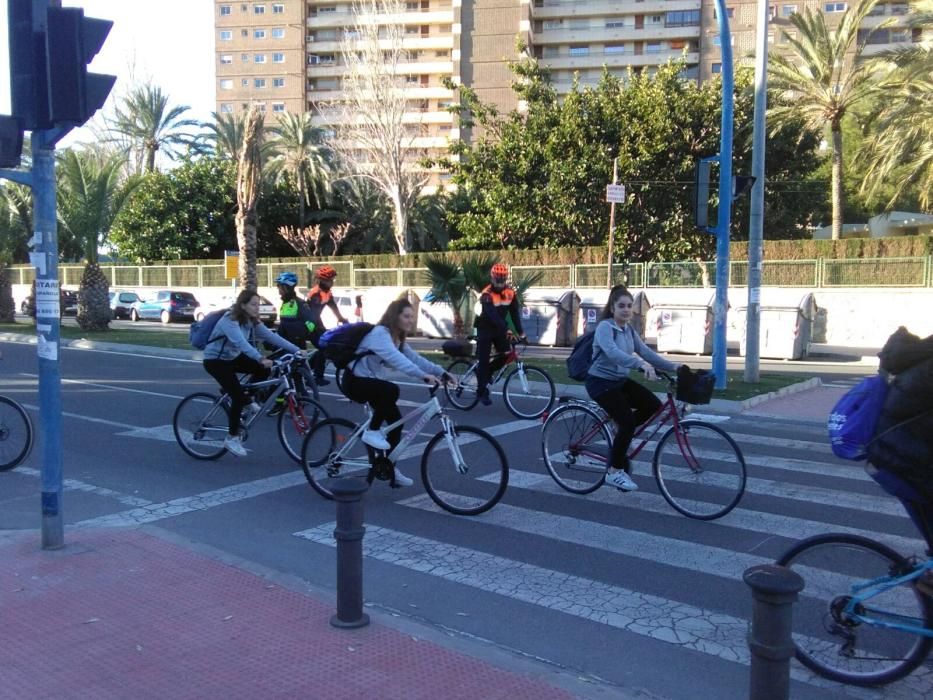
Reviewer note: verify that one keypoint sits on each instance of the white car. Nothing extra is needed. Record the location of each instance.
(267, 311)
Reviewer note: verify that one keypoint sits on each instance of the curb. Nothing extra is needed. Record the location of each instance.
(82, 344)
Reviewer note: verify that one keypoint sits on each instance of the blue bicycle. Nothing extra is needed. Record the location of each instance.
(862, 618)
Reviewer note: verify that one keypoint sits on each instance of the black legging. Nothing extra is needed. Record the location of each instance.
(317, 359)
(381, 395)
(629, 404)
(485, 339)
(225, 372)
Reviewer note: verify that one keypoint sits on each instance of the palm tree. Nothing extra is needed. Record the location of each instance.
(454, 284)
(899, 153)
(300, 154)
(248, 186)
(90, 196)
(821, 79)
(147, 124)
(225, 134)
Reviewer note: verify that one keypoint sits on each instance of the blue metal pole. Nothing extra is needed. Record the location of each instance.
(721, 305)
(45, 259)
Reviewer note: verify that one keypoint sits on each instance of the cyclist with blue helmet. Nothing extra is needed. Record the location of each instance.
(296, 322)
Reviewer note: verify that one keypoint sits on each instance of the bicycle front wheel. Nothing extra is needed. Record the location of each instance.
(463, 394)
(838, 645)
(467, 477)
(294, 424)
(576, 444)
(700, 470)
(318, 459)
(528, 392)
(201, 425)
(15, 434)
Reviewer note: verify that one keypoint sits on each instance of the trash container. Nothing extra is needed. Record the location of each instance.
(592, 303)
(785, 328)
(549, 316)
(685, 327)
(376, 299)
(436, 320)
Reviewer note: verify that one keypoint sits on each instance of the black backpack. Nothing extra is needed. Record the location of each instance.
(340, 345)
(581, 357)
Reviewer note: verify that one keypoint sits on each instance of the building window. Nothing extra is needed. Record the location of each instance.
(259, 34)
(655, 19)
(411, 29)
(788, 10)
(614, 48)
(412, 7)
(716, 68)
(244, 57)
(411, 79)
(834, 7)
(259, 9)
(615, 24)
(278, 82)
(325, 10)
(226, 58)
(278, 106)
(226, 84)
(717, 40)
(730, 13)
(553, 24)
(244, 32)
(226, 35)
(551, 51)
(278, 9)
(244, 82)
(579, 50)
(653, 47)
(259, 58)
(259, 83)
(225, 10)
(278, 33)
(687, 18)
(278, 58)
(579, 24)
(226, 108)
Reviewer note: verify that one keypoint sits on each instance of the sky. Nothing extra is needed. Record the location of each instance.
(147, 41)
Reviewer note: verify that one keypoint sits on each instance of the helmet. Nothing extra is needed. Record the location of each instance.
(326, 273)
(289, 279)
(499, 270)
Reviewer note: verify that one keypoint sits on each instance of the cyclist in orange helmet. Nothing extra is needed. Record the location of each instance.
(499, 307)
(318, 297)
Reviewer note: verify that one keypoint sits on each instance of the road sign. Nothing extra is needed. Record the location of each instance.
(231, 264)
(615, 193)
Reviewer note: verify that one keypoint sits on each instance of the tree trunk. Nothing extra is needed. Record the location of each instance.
(300, 181)
(249, 183)
(838, 196)
(246, 224)
(7, 305)
(401, 224)
(93, 299)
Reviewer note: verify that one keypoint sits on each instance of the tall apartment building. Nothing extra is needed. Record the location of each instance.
(286, 55)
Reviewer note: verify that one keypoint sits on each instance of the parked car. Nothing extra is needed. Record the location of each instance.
(166, 306)
(69, 302)
(267, 311)
(121, 303)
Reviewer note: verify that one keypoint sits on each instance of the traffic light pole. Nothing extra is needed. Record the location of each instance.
(48, 299)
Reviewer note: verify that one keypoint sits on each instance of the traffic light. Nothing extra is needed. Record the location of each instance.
(11, 142)
(28, 86)
(72, 40)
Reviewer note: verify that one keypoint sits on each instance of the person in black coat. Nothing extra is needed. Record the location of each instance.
(903, 443)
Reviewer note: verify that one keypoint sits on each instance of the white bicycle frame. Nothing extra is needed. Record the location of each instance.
(423, 413)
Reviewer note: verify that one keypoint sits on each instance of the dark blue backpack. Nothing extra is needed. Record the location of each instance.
(581, 357)
(340, 345)
(853, 420)
(199, 335)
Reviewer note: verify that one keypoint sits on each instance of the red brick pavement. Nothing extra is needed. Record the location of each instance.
(812, 405)
(127, 614)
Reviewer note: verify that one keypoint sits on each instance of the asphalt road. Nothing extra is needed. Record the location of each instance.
(613, 586)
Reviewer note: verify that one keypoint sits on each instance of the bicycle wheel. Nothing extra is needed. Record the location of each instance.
(201, 425)
(483, 480)
(528, 392)
(325, 438)
(576, 445)
(462, 395)
(832, 643)
(15, 434)
(700, 470)
(292, 427)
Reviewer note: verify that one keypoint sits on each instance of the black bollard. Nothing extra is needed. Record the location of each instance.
(349, 535)
(774, 589)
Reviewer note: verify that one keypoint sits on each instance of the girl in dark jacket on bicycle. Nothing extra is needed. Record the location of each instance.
(231, 350)
(617, 350)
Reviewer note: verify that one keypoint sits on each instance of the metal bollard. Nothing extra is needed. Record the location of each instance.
(774, 589)
(349, 535)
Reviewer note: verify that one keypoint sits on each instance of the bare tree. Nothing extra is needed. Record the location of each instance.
(248, 186)
(338, 234)
(304, 241)
(372, 134)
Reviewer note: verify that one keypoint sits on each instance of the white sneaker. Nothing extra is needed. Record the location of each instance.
(621, 481)
(401, 479)
(376, 440)
(234, 445)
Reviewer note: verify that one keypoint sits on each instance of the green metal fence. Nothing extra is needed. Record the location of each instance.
(860, 272)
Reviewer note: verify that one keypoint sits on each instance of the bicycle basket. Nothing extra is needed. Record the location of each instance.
(457, 348)
(695, 387)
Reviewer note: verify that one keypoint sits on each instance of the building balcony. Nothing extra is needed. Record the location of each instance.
(548, 9)
(330, 20)
(411, 42)
(597, 35)
(337, 68)
(617, 60)
(331, 94)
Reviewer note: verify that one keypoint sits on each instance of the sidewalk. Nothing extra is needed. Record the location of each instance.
(128, 613)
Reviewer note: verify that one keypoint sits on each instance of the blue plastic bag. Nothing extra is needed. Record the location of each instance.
(853, 420)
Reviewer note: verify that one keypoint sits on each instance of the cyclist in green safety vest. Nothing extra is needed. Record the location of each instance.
(295, 325)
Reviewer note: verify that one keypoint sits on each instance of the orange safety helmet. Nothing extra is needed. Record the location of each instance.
(499, 270)
(326, 273)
